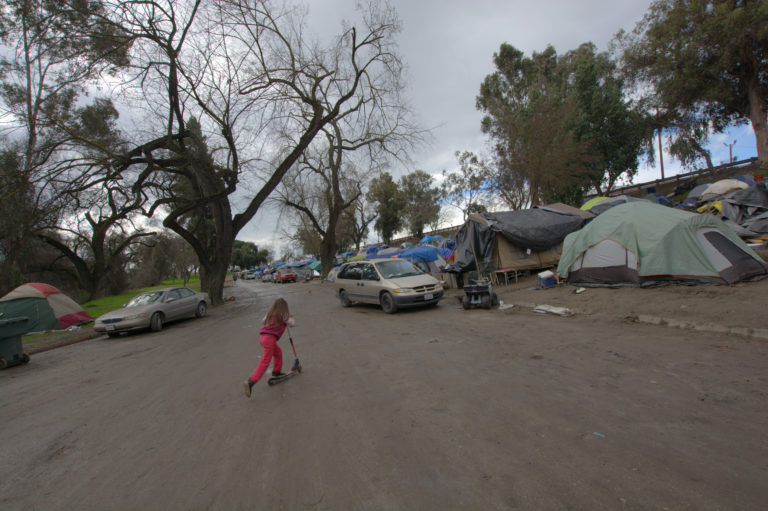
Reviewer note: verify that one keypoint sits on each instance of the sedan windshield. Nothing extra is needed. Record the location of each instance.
(397, 268)
(144, 299)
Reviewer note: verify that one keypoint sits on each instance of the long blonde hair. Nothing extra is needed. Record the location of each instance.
(278, 313)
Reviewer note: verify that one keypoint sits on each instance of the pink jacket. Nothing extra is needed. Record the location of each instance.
(276, 330)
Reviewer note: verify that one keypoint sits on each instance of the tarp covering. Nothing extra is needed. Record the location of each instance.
(611, 202)
(522, 232)
(46, 307)
(429, 238)
(565, 208)
(722, 187)
(421, 252)
(641, 242)
(535, 229)
(746, 211)
(384, 252)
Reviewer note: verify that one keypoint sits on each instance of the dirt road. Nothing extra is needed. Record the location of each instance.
(430, 409)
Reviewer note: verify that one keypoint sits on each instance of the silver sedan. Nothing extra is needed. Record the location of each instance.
(152, 309)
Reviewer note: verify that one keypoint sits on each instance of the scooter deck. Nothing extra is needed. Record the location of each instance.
(287, 376)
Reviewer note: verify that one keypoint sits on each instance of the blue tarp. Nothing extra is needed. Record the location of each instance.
(424, 253)
(384, 252)
(430, 238)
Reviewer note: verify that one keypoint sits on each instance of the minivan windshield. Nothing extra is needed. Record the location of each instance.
(395, 268)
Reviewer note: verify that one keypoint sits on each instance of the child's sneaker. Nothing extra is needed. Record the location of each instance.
(277, 374)
(247, 388)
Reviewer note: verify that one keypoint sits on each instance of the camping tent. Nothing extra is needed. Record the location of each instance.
(642, 243)
(46, 307)
(512, 240)
(591, 202)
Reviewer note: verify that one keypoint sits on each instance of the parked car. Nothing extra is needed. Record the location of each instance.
(267, 276)
(152, 309)
(391, 283)
(251, 275)
(283, 276)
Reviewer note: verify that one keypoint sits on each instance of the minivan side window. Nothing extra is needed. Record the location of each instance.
(352, 272)
(369, 272)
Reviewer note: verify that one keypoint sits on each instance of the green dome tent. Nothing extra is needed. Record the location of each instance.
(46, 307)
(642, 243)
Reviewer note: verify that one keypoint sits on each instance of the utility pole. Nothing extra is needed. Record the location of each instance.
(661, 155)
(730, 151)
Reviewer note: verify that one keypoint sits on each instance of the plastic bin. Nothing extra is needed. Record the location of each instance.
(546, 279)
(11, 352)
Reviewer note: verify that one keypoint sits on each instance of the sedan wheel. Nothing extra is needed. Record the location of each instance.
(201, 310)
(388, 303)
(156, 322)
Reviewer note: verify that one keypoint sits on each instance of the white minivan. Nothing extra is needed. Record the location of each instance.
(393, 283)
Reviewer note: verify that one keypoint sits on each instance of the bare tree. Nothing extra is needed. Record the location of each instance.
(261, 94)
(101, 230)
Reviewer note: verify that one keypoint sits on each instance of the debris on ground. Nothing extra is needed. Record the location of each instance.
(550, 309)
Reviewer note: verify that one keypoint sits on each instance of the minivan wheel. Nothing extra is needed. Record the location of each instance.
(344, 298)
(388, 303)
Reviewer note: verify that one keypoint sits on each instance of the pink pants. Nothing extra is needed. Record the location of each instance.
(271, 351)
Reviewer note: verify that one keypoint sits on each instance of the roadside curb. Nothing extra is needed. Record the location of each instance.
(758, 333)
(61, 344)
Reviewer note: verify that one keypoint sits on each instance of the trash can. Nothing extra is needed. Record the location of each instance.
(11, 352)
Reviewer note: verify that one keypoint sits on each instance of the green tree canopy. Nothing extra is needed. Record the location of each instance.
(421, 201)
(560, 125)
(389, 203)
(706, 62)
(468, 188)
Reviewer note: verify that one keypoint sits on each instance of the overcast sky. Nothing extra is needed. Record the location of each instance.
(448, 47)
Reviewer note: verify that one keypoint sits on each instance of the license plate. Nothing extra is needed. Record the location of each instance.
(428, 296)
(110, 328)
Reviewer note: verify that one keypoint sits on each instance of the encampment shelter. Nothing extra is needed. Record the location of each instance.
(644, 243)
(46, 307)
(519, 240)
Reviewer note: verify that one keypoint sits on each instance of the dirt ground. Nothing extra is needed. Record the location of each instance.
(637, 399)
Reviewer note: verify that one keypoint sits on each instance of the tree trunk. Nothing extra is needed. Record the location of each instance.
(327, 254)
(757, 115)
(212, 277)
